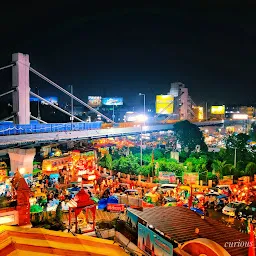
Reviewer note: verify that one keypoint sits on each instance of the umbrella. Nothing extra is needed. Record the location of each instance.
(36, 209)
(95, 199)
(222, 196)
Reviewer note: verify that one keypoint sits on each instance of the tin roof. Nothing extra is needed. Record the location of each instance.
(179, 224)
(41, 242)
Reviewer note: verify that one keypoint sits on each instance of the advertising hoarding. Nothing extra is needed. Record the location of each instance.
(167, 177)
(94, 101)
(132, 219)
(164, 104)
(116, 101)
(240, 116)
(218, 110)
(152, 243)
(52, 99)
(190, 178)
(200, 113)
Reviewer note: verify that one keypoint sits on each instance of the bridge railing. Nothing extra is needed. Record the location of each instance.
(46, 128)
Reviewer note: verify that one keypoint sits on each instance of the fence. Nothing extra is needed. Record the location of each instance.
(11, 129)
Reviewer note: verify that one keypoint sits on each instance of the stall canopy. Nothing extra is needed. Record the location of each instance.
(41, 242)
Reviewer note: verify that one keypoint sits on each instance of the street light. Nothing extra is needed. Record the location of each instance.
(235, 157)
(141, 152)
(144, 103)
(72, 107)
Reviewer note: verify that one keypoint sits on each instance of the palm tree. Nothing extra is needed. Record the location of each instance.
(220, 167)
(250, 169)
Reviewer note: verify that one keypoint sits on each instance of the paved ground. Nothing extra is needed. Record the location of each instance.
(228, 221)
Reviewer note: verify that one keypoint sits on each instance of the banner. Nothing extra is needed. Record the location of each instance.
(115, 207)
(190, 178)
(152, 243)
(167, 177)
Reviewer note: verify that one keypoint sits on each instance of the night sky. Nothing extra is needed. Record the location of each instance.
(113, 51)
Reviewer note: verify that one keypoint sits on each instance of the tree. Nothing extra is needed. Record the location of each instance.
(109, 162)
(102, 162)
(128, 164)
(253, 131)
(238, 143)
(189, 136)
(250, 169)
(222, 168)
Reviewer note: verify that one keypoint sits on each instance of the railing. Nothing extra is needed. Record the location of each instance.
(46, 128)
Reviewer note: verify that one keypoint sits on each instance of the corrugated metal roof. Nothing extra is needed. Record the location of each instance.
(179, 224)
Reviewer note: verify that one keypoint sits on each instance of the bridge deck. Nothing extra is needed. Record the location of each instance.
(98, 133)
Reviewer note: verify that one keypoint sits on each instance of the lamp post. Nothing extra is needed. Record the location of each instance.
(235, 158)
(144, 103)
(72, 107)
(141, 153)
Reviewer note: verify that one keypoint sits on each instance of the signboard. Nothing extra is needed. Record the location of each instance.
(115, 207)
(94, 101)
(164, 104)
(113, 101)
(152, 243)
(218, 110)
(167, 177)
(190, 178)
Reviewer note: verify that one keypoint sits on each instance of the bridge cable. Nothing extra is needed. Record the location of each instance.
(53, 105)
(8, 66)
(7, 118)
(69, 94)
(40, 120)
(6, 93)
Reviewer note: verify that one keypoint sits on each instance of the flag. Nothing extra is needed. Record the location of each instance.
(190, 200)
(251, 250)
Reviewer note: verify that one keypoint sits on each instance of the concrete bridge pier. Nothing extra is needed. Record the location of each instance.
(22, 160)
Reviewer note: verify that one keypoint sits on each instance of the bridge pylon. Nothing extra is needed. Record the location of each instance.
(20, 84)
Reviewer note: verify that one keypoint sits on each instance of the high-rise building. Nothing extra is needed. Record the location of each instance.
(175, 89)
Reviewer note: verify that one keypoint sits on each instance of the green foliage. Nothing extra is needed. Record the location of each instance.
(253, 131)
(240, 143)
(189, 136)
(129, 164)
(109, 162)
(102, 162)
(250, 169)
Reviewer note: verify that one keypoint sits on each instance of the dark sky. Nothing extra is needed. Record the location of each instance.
(114, 51)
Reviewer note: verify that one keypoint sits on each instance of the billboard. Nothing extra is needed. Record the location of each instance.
(218, 110)
(94, 101)
(113, 101)
(240, 116)
(152, 243)
(52, 99)
(167, 177)
(190, 178)
(164, 104)
(200, 113)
